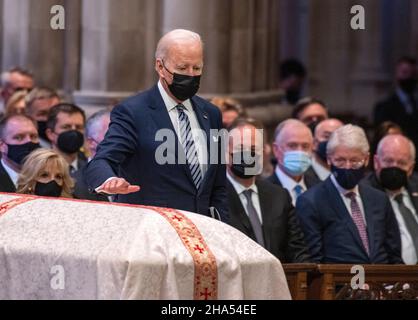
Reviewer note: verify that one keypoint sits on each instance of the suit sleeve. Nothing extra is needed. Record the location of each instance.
(297, 250)
(393, 237)
(120, 142)
(218, 196)
(311, 227)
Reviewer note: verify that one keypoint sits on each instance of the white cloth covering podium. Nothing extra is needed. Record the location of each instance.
(67, 249)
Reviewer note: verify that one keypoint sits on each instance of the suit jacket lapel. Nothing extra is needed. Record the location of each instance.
(162, 119)
(339, 207)
(238, 209)
(369, 208)
(266, 206)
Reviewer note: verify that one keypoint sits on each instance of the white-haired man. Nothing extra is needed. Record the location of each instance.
(345, 222)
(129, 161)
(394, 173)
(292, 148)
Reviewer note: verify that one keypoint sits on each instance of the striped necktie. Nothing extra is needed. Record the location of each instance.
(189, 147)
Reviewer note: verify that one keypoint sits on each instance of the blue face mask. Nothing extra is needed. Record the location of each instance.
(296, 163)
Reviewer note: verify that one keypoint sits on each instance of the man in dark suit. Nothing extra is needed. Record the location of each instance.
(65, 130)
(344, 222)
(96, 128)
(258, 208)
(394, 163)
(292, 148)
(18, 138)
(158, 143)
(401, 106)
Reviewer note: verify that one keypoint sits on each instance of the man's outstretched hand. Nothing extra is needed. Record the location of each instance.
(117, 186)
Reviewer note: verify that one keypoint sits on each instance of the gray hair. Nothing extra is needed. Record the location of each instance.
(5, 75)
(177, 35)
(349, 136)
(283, 124)
(93, 122)
(412, 150)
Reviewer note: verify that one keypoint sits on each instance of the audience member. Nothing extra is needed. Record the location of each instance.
(310, 111)
(16, 103)
(12, 80)
(292, 76)
(230, 108)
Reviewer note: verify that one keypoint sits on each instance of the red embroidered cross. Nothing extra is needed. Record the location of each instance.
(177, 218)
(197, 248)
(206, 294)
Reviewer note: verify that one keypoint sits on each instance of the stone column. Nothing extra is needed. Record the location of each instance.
(118, 39)
(30, 42)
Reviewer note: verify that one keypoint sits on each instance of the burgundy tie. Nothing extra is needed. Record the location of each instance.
(358, 220)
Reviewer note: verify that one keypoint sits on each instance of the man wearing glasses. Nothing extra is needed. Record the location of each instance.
(345, 222)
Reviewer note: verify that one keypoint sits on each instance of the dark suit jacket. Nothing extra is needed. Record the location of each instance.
(310, 178)
(392, 109)
(129, 151)
(283, 236)
(412, 187)
(6, 184)
(333, 237)
(81, 190)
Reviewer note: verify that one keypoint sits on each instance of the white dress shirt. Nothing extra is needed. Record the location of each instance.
(322, 172)
(347, 201)
(200, 140)
(239, 188)
(290, 184)
(409, 254)
(14, 176)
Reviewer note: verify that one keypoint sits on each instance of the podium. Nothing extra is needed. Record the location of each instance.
(69, 249)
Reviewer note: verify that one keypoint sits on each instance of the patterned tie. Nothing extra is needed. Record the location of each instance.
(255, 221)
(189, 147)
(358, 220)
(298, 190)
(410, 221)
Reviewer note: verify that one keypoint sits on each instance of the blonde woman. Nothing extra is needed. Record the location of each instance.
(16, 104)
(45, 173)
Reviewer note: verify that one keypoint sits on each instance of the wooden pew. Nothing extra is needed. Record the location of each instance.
(298, 278)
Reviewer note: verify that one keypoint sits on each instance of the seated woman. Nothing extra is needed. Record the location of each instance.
(16, 103)
(45, 173)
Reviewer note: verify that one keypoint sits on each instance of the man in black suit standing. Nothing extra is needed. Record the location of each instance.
(292, 147)
(401, 106)
(258, 208)
(18, 138)
(394, 164)
(159, 141)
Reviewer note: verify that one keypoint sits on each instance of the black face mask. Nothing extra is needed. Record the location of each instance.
(70, 141)
(393, 178)
(240, 169)
(42, 130)
(321, 150)
(183, 86)
(408, 85)
(50, 189)
(18, 152)
(313, 126)
(348, 178)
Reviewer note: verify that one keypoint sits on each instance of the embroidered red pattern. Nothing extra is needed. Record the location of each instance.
(6, 206)
(206, 269)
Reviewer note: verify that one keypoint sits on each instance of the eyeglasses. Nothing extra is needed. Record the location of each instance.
(353, 163)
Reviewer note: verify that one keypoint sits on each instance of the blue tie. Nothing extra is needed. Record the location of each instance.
(189, 147)
(298, 190)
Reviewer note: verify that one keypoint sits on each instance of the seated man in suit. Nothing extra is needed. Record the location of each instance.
(401, 105)
(258, 208)
(292, 148)
(323, 131)
(96, 128)
(18, 138)
(394, 163)
(344, 222)
(65, 130)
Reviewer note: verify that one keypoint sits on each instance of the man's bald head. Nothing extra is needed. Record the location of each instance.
(174, 38)
(325, 128)
(292, 127)
(395, 150)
